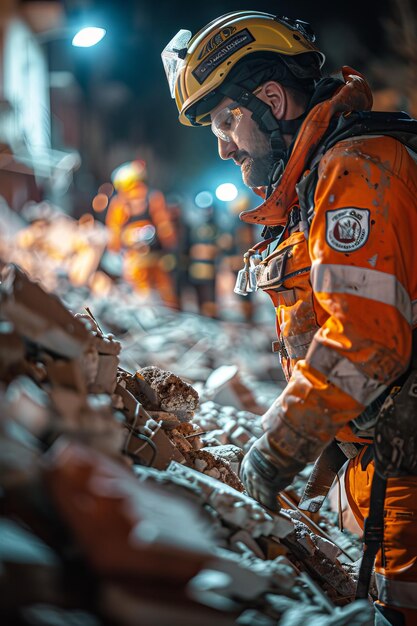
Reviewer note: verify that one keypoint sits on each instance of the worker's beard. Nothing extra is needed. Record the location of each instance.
(258, 163)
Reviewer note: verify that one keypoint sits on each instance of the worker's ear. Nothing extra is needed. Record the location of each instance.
(275, 96)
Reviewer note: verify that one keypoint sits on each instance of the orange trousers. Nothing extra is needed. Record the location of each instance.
(396, 561)
(146, 275)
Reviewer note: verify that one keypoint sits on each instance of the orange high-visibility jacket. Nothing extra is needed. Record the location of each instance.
(133, 209)
(345, 291)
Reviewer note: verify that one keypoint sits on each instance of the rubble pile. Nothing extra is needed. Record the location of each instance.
(121, 502)
(228, 425)
(183, 342)
(54, 248)
(167, 404)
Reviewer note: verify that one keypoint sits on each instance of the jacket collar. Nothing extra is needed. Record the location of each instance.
(352, 94)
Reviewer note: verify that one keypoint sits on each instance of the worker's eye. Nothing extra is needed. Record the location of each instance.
(228, 122)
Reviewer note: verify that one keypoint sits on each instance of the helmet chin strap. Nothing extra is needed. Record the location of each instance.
(267, 122)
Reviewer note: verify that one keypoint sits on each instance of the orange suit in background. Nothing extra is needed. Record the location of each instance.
(142, 229)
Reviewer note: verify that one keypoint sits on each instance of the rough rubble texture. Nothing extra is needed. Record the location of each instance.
(173, 394)
(121, 502)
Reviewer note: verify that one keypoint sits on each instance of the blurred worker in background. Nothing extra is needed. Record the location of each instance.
(141, 228)
(202, 254)
(339, 261)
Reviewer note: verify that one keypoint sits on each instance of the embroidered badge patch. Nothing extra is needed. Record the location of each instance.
(347, 229)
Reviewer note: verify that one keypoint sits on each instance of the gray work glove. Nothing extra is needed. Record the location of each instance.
(265, 472)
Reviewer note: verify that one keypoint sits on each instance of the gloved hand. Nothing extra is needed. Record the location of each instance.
(265, 472)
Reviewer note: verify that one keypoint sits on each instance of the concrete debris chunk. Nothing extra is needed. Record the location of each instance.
(329, 549)
(228, 579)
(323, 563)
(244, 543)
(12, 352)
(279, 573)
(75, 374)
(39, 316)
(28, 405)
(358, 613)
(232, 454)
(217, 467)
(251, 617)
(225, 386)
(171, 393)
(234, 508)
(101, 362)
(168, 421)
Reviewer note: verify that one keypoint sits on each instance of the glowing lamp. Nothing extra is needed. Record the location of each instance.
(226, 192)
(87, 37)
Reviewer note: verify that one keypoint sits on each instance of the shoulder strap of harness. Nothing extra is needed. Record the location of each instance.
(398, 125)
(373, 534)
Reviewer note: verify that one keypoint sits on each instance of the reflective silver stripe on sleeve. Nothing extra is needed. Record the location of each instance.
(298, 345)
(343, 373)
(363, 282)
(414, 309)
(396, 592)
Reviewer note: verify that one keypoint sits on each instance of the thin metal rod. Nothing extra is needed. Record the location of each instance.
(287, 500)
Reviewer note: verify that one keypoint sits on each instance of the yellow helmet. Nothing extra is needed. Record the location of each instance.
(128, 175)
(196, 67)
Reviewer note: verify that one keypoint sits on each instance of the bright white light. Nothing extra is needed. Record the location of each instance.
(87, 37)
(226, 192)
(204, 199)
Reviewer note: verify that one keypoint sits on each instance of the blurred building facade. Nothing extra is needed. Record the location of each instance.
(30, 165)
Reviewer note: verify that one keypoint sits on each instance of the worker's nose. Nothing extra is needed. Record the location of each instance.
(226, 149)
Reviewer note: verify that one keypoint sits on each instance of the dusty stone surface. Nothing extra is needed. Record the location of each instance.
(174, 395)
(217, 468)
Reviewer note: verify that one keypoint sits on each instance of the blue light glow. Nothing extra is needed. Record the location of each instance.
(204, 199)
(226, 192)
(87, 37)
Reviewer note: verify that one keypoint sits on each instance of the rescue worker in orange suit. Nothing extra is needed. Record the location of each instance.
(141, 227)
(338, 259)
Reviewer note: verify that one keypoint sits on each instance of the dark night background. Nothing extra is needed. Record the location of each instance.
(127, 109)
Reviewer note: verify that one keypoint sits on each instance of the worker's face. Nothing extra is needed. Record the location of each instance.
(240, 139)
